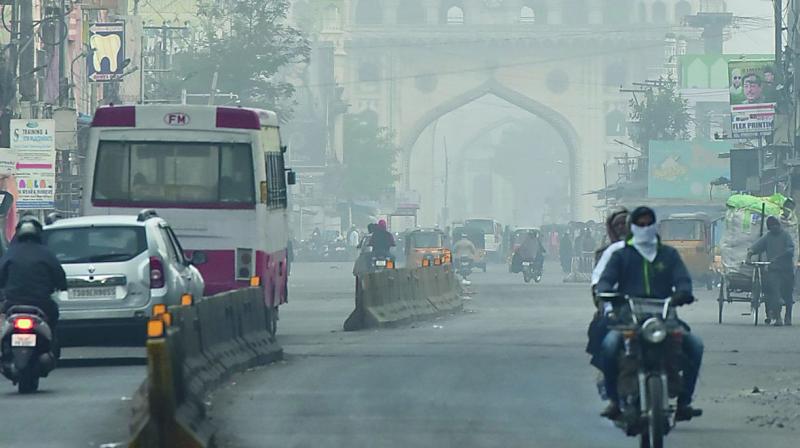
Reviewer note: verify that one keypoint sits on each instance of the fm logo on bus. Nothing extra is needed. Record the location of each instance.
(176, 119)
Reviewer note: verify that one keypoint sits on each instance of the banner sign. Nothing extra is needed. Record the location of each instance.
(753, 96)
(33, 143)
(680, 169)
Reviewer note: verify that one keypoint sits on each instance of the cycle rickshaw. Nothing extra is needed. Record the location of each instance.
(745, 285)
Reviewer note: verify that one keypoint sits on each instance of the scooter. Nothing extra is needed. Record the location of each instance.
(465, 267)
(531, 271)
(27, 347)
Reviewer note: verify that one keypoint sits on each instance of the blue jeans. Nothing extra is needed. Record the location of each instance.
(692, 348)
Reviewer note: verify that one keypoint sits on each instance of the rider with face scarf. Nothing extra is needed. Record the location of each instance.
(647, 268)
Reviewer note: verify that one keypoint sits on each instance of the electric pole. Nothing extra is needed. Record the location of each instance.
(27, 52)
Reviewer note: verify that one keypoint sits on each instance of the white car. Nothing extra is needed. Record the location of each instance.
(118, 268)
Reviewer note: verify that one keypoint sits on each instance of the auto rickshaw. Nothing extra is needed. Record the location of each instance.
(426, 247)
(477, 238)
(691, 235)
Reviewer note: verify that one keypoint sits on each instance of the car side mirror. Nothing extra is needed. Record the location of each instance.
(198, 258)
(6, 201)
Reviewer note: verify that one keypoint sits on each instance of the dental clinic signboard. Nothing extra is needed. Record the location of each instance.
(33, 143)
(106, 51)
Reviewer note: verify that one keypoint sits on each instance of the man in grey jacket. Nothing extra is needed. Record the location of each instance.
(778, 245)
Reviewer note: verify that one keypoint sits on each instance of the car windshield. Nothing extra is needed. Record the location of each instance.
(96, 244)
(427, 240)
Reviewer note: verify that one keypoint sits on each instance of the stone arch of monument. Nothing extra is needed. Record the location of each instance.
(493, 87)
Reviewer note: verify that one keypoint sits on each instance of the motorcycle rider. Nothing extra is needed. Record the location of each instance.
(382, 241)
(778, 245)
(617, 230)
(30, 273)
(531, 250)
(647, 268)
(464, 248)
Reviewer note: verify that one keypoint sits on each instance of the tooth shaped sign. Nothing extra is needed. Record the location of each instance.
(107, 46)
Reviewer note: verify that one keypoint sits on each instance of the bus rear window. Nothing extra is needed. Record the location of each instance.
(675, 230)
(174, 172)
(484, 225)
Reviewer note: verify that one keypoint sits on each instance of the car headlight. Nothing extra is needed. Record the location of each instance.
(654, 330)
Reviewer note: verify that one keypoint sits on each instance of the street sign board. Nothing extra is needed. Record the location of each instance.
(106, 51)
(33, 142)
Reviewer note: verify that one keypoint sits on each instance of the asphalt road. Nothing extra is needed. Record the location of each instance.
(83, 403)
(509, 371)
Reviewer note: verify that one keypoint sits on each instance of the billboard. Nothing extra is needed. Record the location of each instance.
(33, 143)
(106, 59)
(680, 169)
(753, 96)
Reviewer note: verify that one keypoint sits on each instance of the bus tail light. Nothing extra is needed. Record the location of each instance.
(244, 264)
(156, 273)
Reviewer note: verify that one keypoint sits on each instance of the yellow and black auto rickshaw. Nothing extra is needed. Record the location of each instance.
(426, 247)
(691, 235)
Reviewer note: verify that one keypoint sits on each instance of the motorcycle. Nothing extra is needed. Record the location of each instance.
(649, 373)
(27, 347)
(465, 267)
(531, 270)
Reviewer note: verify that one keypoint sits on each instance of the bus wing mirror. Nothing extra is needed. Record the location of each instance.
(284, 148)
(291, 177)
(6, 201)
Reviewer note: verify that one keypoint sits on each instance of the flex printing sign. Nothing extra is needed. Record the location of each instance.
(106, 51)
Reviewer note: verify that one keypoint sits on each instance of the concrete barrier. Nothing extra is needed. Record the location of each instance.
(200, 346)
(403, 295)
(581, 268)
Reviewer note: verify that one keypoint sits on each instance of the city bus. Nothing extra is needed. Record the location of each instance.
(215, 173)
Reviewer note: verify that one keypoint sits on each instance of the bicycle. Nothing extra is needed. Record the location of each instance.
(757, 290)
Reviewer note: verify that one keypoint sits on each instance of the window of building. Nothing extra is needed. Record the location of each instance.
(527, 15)
(455, 15)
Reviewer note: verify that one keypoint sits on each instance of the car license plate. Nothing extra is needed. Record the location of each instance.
(93, 293)
(23, 340)
(526, 264)
(380, 263)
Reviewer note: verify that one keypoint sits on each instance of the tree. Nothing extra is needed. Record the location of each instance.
(248, 43)
(369, 157)
(662, 115)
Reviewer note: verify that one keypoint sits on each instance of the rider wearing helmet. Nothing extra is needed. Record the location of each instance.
(29, 272)
(647, 268)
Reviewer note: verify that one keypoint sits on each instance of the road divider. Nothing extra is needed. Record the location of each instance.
(581, 268)
(403, 295)
(191, 350)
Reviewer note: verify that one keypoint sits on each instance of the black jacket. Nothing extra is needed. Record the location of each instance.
(381, 241)
(30, 273)
(638, 277)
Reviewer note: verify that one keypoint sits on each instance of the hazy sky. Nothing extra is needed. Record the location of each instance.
(745, 40)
